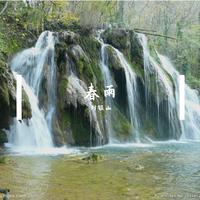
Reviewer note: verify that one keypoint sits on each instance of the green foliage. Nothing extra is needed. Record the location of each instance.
(185, 52)
(3, 44)
(63, 85)
(194, 82)
(94, 13)
(12, 36)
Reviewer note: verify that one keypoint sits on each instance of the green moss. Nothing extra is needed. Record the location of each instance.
(193, 82)
(121, 124)
(85, 70)
(63, 85)
(138, 70)
(80, 65)
(117, 38)
(80, 127)
(148, 128)
(91, 46)
(26, 107)
(4, 94)
(89, 68)
(113, 60)
(3, 137)
(64, 119)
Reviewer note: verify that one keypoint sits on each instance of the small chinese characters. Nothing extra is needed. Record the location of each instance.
(101, 108)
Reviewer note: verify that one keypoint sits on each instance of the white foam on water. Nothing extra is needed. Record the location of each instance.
(171, 142)
(28, 151)
(124, 145)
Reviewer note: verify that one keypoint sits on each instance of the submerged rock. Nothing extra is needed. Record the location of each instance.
(139, 167)
(93, 158)
(5, 193)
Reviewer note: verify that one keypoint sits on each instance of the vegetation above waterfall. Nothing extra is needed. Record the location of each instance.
(22, 22)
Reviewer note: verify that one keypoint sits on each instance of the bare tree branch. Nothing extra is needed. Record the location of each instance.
(155, 34)
(4, 8)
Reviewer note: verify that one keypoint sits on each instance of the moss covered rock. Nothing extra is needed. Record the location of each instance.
(3, 137)
(118, 38)
(81, 58)
(7, 95)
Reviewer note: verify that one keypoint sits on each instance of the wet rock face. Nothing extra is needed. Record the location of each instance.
(125, 41)
(136, 51)
(68, 37)
(7, 96)
(77, 66)
(84, 123)
(77, 53)
(3, 137)
(118, 38)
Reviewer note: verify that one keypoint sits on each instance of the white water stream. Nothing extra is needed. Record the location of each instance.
(32, 64)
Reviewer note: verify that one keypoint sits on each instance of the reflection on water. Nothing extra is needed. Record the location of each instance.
(160, 171)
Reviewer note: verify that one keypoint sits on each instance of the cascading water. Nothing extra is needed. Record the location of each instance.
(190, 127)
(163, 86)
(107, 81)
(32, 64)
(131, 87)
(33, 133)
(37, 67)
(132, 93)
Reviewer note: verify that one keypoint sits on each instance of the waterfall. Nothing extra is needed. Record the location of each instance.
(164, 86)
(107, 81)
(34, 64)
(37, 66)
(165, 79)
(132, 93)
(131, 87)
(32, 133)
(190, 127)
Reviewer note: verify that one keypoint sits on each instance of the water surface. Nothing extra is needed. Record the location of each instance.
(148, 172)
